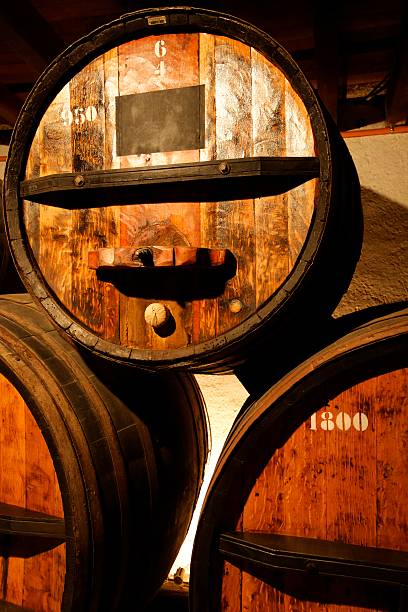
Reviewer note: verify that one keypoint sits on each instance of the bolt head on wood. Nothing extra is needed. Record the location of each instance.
(156, 315)
(235, 306)
(79, 180)
(224, 168)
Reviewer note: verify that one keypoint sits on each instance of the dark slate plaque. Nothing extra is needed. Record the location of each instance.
(166, 120)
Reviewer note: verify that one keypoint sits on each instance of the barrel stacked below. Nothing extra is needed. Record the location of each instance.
(98, 480)
(307, 508)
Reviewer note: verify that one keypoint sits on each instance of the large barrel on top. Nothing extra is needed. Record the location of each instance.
(174, 191)
(98, 481)
(307, 509)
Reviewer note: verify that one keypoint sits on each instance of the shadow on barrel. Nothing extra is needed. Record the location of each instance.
(336, 590)
(180, 283)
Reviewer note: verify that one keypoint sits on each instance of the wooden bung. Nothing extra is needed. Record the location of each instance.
(156, 315)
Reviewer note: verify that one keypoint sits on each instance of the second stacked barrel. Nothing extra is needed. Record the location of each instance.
(100, 471)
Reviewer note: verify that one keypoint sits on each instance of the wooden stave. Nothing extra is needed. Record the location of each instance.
(375, 347)
(106, 487)
(310, 291)
(4, 257)
(4, 250)
(9, 279)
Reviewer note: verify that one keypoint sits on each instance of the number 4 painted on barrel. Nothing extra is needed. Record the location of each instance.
(343, 421)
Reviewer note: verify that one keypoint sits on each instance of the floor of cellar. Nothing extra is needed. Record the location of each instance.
(170, 598)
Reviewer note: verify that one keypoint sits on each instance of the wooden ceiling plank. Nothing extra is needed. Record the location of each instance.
(9, 106)
(397, 91)
(325, 25)
(30, 36)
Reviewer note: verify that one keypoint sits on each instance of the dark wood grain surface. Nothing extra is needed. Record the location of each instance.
(28, 480)
(340, 477)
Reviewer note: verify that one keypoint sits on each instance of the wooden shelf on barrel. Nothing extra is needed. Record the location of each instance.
(230, 179)
(25, 533)
(270, 552)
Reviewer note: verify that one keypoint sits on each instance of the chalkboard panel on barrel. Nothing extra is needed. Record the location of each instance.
(307, 509)
(174, 192)
(97, 482)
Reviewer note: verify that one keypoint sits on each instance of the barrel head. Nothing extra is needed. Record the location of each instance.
(206, 136)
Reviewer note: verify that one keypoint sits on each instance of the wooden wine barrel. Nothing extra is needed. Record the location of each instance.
(97, 481)
(307, 509)
(174, 191)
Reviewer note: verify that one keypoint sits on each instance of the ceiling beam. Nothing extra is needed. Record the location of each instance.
(9, 106)
(28, 34)
(397, 90)
(33, 40)
(326, 34)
